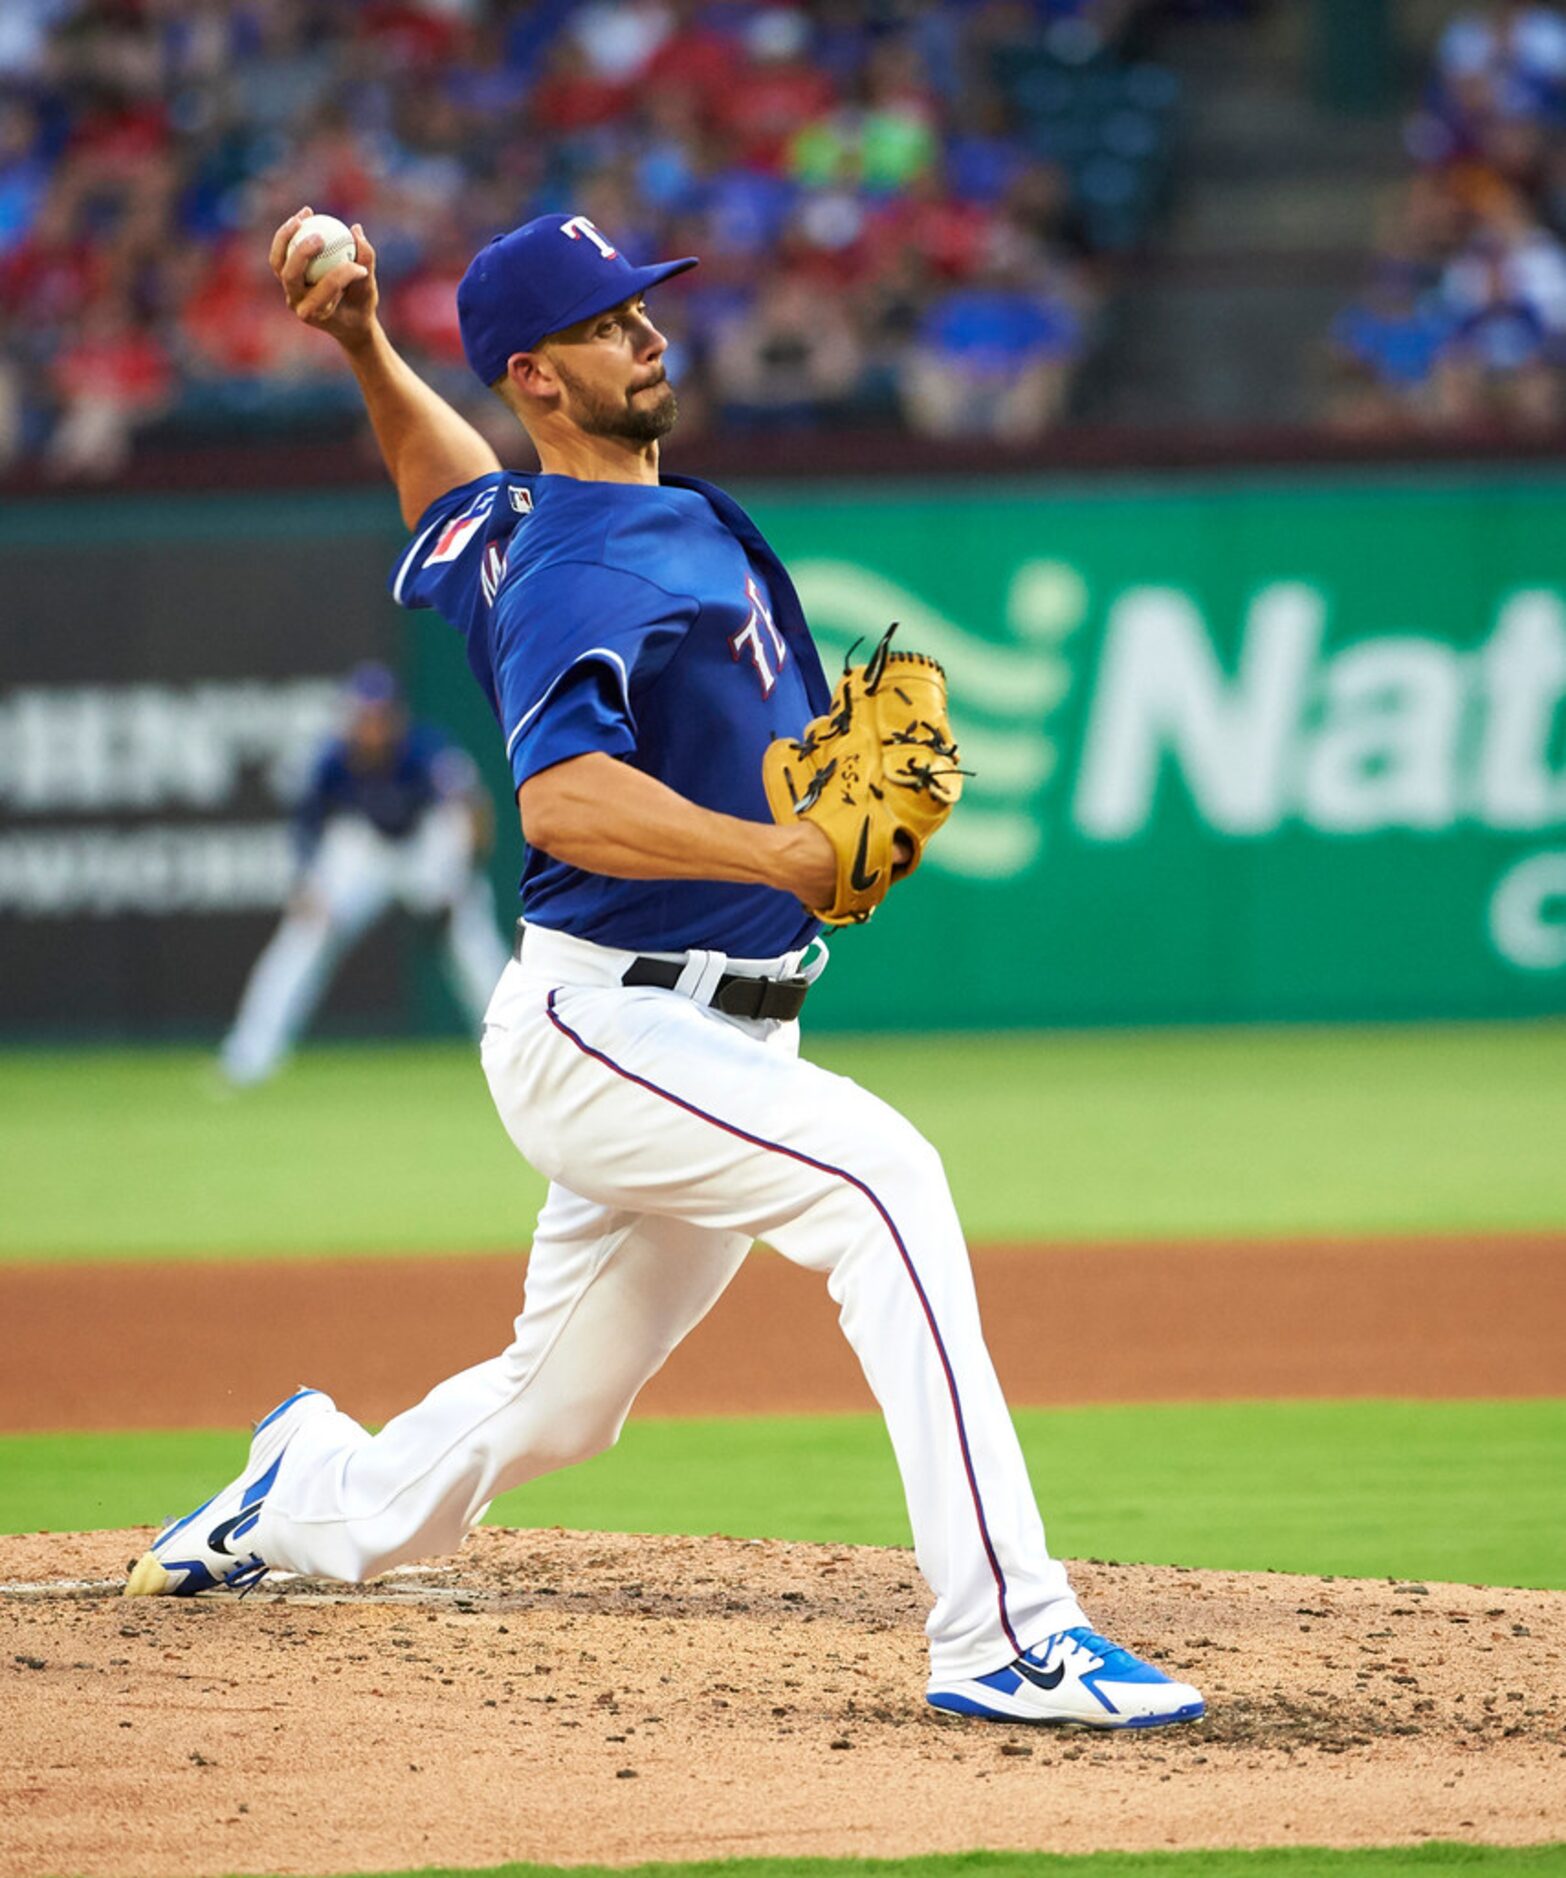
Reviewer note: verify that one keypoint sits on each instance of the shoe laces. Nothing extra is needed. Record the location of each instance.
(1116, 1656)
(247, 1577)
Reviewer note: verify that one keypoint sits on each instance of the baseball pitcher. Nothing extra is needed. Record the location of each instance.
(696, 802)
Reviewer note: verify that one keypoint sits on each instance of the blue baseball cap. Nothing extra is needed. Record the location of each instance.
(545, 275)
(371, 683)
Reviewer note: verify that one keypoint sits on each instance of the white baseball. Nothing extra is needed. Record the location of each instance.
(340, 245)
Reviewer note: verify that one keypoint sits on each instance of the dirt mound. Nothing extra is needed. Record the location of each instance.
(578, 1696)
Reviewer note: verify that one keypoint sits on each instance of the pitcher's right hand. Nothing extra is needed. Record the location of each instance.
(342, 303)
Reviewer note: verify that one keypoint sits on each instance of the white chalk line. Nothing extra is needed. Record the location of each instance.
(413, 1582)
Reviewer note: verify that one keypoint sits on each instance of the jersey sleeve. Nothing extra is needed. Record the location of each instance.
(314, 803)
(443, 566)
(575, 647)
(453, 774)
(442, 768)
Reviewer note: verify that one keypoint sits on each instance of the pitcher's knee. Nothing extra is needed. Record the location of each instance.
(570, 1438)
(897, 1163)
(897, 1197)
(924, 1163)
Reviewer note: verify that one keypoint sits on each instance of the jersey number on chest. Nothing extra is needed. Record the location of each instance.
(759, 640)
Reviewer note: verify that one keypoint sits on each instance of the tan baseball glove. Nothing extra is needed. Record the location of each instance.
(881, 763)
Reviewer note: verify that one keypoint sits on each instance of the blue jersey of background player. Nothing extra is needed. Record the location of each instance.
(654, 624)
(384, 766)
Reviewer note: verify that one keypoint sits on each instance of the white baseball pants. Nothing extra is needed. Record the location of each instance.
(672, 1137)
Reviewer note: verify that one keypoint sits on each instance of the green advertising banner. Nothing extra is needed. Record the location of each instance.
(1239, 753)
(1292, 752)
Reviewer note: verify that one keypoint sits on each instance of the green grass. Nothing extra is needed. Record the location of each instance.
(126, 1155)
(1466, 1491)
(1295, 1861)
(397, 1149)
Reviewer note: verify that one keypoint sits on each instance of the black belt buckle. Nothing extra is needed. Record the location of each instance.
(760, 997)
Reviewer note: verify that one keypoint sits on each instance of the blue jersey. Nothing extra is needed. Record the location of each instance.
(423, 768)
(650, 622)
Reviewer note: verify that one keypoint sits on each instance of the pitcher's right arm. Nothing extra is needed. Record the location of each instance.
(427, 446)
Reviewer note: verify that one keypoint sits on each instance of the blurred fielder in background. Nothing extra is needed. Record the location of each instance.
(394, 813)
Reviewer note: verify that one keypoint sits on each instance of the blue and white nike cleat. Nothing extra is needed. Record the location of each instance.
(1073, 1676)
(204, 1551)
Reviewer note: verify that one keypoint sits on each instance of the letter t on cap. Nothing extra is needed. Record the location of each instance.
(579, 226)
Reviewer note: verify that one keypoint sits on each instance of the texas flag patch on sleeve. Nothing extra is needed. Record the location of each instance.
(456, 535)
(457, 559)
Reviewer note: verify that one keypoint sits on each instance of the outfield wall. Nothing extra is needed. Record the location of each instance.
(1276, 751)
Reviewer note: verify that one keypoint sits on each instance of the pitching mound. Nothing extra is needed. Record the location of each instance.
(576, 1697)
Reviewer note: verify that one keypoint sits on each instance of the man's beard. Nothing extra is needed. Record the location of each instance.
(641, 416)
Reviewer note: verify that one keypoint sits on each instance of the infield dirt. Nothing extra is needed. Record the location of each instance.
(108, 1346)
(582, 1697)
(577, 1697)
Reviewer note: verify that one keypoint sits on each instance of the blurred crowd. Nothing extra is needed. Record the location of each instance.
(1463, 320)
(908, 212)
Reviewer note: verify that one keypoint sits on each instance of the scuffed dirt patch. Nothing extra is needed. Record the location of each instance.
(583, 1697)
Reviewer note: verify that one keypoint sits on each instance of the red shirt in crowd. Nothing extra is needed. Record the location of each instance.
(764, 105)
(124, 366)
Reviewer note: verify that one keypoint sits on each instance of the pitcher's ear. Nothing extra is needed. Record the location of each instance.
(533, 374)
